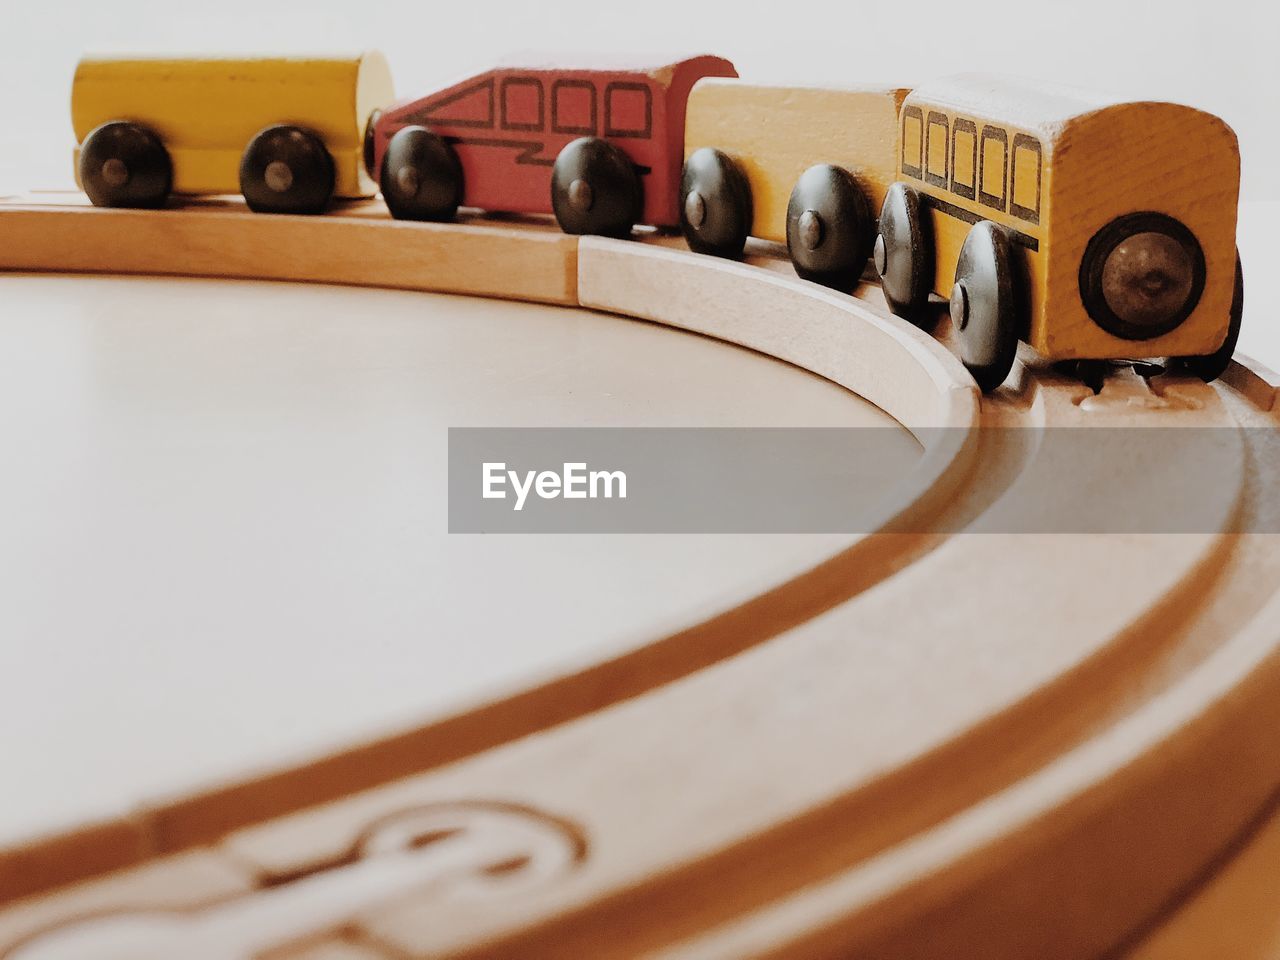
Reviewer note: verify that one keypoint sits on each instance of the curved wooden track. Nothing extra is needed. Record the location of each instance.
(930, 745)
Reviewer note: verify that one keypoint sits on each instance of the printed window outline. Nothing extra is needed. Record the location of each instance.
(916, 114)
(428, 114)
(967, 190)
(559, 127)
(1016, 209)
(628, 85)
(1000, 135)
(507, 83)
(936, 119)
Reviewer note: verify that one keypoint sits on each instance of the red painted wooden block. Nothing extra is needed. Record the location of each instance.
(506, 128)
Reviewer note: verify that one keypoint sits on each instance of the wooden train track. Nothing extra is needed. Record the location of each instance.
(929, 745)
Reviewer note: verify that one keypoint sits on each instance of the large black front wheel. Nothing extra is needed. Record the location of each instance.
(125, 165)
(287, 170)
(595, 189)
(903, 254)
(986, 304)
(1211, 366)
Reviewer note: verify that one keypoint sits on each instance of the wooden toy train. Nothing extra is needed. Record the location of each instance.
(1092, 229)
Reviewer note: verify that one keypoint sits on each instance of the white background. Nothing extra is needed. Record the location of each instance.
(1217, 55)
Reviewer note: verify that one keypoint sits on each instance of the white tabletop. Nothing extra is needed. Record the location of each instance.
(225, 532)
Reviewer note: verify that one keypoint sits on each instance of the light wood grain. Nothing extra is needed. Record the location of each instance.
(174, 883)
(934, 746)
(693, 706)
(229, 241)
(1233, 912)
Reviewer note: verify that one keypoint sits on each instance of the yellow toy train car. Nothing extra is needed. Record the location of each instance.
(1089, 228)
(287, 133)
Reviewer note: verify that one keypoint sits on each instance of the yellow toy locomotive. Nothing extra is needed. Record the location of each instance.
(1089, 229)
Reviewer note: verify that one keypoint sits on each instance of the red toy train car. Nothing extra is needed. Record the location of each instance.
(602, 149)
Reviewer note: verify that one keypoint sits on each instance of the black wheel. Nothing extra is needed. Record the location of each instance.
(125, 165)
(1211, 366)
(904, 254)
(715, 204)
(986, 302)
(1141, 275)
(595, 189)
(286, 170)
(370, 145)
(829, 227)
(421, 176)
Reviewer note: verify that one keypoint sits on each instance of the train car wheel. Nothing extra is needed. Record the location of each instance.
(369, 146)
(125, 165)
(985, 304)
(903, 254)
(286, 170)
(1210, 367)
(595, 189)
(421, 176)
(715, 204)
(829, 227)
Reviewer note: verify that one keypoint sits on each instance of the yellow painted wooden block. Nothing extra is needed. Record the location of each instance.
(1056, 167)
(775, 133)
(206, 110)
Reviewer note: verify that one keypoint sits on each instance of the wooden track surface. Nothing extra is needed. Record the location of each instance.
(988, 745)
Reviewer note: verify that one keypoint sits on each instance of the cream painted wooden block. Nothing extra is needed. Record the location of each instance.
(777, 132)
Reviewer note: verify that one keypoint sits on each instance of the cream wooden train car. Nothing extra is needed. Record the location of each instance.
(287, 133)
(1089, 228)
(808, 166)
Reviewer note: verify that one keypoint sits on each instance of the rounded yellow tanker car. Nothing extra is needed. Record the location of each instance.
(288, 133)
